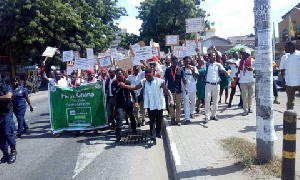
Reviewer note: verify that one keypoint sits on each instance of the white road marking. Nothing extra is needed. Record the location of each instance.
(88, 152)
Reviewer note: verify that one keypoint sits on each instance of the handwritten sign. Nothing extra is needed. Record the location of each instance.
(156, 52)
(84, 64)
(89, 53)
(172, 40)
(67, 56)
(49, 52)
(125, 64)
(105, 62)
(194, 25)
(143, 53)
(190, 47)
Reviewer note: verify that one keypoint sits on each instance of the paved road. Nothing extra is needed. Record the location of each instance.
(40, 156)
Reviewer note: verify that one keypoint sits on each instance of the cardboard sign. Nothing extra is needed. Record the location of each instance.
(105, 62)
(49, 52)
(190, 46)
(84, 64)
(156, 52)
(143, 53)
(172, 40)
(194, 25)
(178, 48)
(125, 64)
(76, 54)
(67, 56)
(71, 68)
(134, 48)
(89, 53)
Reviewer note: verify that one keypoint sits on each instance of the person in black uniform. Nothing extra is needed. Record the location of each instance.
(6, 125)
(20, 97)
(123, 102)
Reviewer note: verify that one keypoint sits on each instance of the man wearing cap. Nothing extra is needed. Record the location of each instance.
(7, 127)
(175, 77)
(90, 77)
(245, 70)
(290, 68)
(20, 97)
(153, 100)
(212, 88)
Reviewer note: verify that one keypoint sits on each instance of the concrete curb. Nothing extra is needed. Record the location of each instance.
(175, 158)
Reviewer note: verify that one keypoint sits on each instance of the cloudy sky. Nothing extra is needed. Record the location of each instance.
(231, 17)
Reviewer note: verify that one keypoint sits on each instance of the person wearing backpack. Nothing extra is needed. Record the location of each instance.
(212, 88)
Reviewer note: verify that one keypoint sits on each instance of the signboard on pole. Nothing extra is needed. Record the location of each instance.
(143, 53)
(49, 52)
(194, 25)
(125, 63)
(172, 40)
(105, 62)
(84, 64)
(89, 53)
(67, 56)
(190, 47)
(156, 52)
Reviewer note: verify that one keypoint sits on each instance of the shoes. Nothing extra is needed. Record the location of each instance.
(250, 111)
(245, 113)
(13, 157)
(186, 122)
(4, 159)
(95, 131)
(118, 139)
(197, 110)
(153, 141)
(192, 116)
(214, 118)
(134, 131)
(219, 101)
(143, 122)
(178, 123)
(229, 106)
(18, 135)
(25, 129)
(158, 135)
(139, 125)
(276, 102)
(173, 123)
(205, 120)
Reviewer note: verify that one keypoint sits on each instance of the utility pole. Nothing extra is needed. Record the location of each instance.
(265, 133)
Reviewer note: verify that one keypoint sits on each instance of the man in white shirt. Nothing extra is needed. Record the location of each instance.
(212, 88)
(59, 80)
(246, 68)
(234, 64)
(90, 77)
(135, 79)
(191, 75)
(291, 75)
(153, 100)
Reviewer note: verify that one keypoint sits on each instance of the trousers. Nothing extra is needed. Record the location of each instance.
(7, 137)
(211, 91)
(155, 117)
(189, 102)
(20, 115)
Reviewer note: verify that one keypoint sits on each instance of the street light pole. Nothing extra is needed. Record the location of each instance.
(265, 133)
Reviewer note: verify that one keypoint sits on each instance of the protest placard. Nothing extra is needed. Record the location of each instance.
(125, 64)
(190, 46)
(89, 53)
(76, 54)
(194, 25)
(49, 52)
(78, 108)
(71, 68)
(134, 48)
(67, 56)
(143, 53)
(105, 62)
(156, 52)
(112, 52)
(84, 64)
(171, 40)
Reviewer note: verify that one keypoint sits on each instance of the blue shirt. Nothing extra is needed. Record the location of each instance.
(5, 106)
(19, 95)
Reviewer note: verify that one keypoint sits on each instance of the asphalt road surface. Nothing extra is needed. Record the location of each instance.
(89, 156)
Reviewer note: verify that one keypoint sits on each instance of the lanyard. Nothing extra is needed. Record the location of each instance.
(173, 74)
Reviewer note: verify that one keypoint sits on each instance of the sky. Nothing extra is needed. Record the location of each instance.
(231, 17)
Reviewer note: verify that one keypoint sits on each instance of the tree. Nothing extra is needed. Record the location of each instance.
(29, 26)
(166, 17)
(128, 39)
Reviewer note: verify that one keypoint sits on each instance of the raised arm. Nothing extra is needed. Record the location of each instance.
(200, 61)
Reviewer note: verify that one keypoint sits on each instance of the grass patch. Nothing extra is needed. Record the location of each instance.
(245, 152)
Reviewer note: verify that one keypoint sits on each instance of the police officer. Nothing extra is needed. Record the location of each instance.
(20, 97)
(6, 125)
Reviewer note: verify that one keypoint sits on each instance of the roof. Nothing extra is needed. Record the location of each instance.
(217, 37)
(296, 7)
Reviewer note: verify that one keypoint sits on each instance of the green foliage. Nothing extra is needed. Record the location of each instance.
(166, 17)
(128, 39)
(29, 26)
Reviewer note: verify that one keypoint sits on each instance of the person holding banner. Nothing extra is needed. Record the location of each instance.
(123, 103)
(191, 75)
(174, 77)
(73, 81)
(90, 77)
(153, 88)
(58, 80)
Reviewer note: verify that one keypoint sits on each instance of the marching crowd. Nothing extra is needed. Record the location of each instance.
(157, 85)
